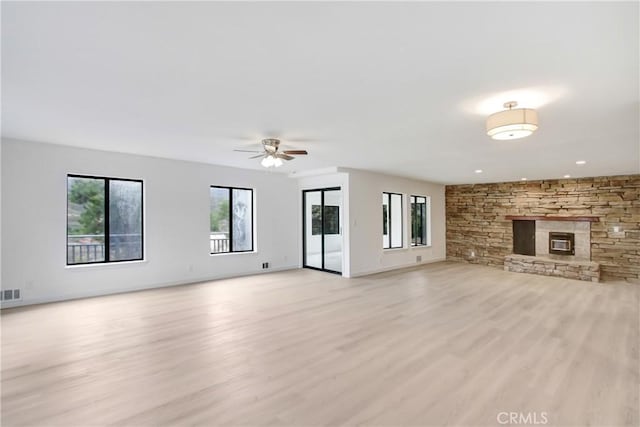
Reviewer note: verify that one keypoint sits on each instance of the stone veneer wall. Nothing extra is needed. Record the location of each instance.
(478, 232)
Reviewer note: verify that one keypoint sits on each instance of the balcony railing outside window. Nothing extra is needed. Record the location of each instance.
(219, 242)
(88, 248)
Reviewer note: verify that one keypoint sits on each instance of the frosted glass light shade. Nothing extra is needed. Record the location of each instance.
(512, 124)
(271, 161)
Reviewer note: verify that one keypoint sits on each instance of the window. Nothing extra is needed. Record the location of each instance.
(104, 220)
(331, 219)
(231, 220)
(419, 221)
(391, 220)
(316, 220)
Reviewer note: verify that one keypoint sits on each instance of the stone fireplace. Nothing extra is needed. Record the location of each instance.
(479, 219)
(562, 247)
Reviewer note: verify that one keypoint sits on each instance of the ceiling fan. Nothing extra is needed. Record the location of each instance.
(271, 157)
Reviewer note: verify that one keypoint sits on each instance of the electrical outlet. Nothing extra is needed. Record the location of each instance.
(419, 258)
(265, 265)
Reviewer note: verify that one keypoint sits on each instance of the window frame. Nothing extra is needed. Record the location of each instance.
(253, 244)
(107, 237)
(427, 201)
(389, 225)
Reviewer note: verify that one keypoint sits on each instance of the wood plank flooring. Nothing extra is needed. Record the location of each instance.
(443, 344)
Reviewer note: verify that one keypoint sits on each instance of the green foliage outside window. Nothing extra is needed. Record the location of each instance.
(89, 194)
(219, 217)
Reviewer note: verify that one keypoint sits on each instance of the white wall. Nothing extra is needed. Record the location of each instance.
(365, 222)
(362, 219)
(176, 222)
(33, 219)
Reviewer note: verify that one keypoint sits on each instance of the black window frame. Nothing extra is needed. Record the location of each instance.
(413, 200)
(389, 225)
(231, 251)
(107, 237)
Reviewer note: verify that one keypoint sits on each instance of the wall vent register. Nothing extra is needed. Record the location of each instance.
(10, 294)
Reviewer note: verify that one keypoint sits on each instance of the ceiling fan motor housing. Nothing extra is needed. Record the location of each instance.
(273, 143)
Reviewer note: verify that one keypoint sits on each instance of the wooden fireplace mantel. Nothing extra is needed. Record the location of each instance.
(553, 218)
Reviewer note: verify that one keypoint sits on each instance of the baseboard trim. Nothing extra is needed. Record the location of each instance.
(397, 267)
(83, 295)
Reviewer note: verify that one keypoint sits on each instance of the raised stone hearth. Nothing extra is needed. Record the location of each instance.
(580, 270)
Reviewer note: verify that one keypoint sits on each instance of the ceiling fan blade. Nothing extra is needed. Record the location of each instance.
(285, 156)
(296, 152)
(257, 157)
(249, 151)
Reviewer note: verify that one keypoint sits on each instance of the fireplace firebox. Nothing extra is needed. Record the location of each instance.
(561, 243)
(524, 237)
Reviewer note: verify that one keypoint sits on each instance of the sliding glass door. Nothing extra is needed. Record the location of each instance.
(322, 233)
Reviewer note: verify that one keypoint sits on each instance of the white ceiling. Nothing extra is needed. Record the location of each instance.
(400, 88)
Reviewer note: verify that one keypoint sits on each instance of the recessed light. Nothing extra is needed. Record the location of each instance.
(478, 170)
(567, 176)
(581, 162)
(523, 179)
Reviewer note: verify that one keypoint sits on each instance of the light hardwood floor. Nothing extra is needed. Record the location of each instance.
(444, 344)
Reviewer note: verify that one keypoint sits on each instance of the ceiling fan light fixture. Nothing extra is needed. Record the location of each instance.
(512, 123)
(268, 161)
(271, 156)
(271, 161)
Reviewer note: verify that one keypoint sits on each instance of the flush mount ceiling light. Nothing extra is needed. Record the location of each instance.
(512, 123)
